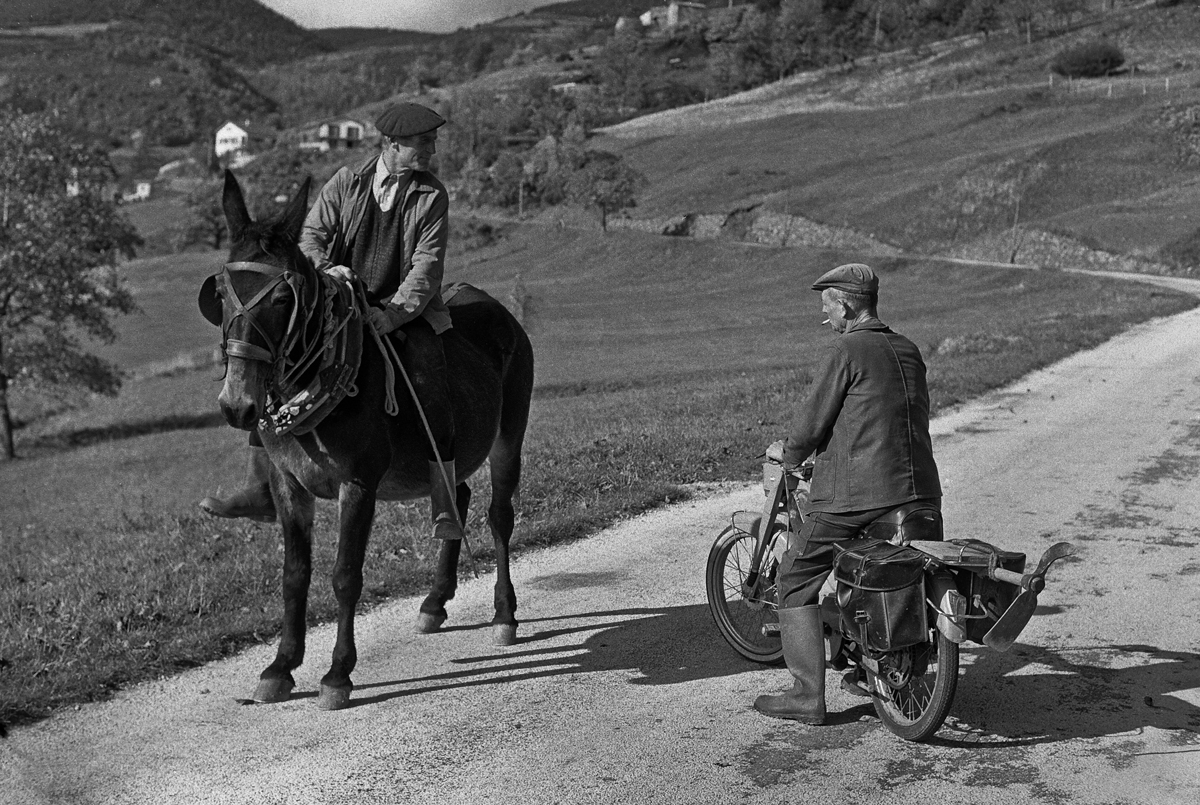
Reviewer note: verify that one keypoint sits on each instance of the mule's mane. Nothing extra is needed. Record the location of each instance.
(270, 238)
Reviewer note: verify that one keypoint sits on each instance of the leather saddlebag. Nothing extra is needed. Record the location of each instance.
(881, 595)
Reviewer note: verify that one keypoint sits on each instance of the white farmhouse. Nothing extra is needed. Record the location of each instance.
(337, 132)
(672, 14)
(231, 138)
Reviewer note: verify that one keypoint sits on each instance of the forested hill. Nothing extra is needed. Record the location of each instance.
(242, 30)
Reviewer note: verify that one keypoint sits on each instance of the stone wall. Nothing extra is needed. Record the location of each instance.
(1050, 250)
(754, 225)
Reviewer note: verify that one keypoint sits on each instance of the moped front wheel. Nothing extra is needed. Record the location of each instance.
(915, 687)
(751, 626)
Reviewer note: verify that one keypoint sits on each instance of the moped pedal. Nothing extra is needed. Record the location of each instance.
(852, 683)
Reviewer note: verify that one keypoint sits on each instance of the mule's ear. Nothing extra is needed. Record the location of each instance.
(293, 216)
(209, 302)
(234, 204)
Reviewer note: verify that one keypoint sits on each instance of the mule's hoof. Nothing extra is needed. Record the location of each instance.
(428, 624)
(273, 691)
(331, 698)
(504, 634)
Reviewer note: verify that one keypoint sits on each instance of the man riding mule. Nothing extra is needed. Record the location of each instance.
(867, 420)
(385, 224)
(332, 407)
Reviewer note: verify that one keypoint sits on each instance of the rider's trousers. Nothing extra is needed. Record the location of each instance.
(811, 552)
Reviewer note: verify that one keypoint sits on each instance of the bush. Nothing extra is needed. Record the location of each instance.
(1184, 252)
(1089, 60)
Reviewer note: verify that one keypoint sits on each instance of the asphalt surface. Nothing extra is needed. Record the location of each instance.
(620, 690)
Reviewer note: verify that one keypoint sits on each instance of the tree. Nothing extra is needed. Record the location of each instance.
(61, 236)
(1024, 15)
(987, 199)
(981, 16)
(606, 183)
(205, 223)
(623, 71)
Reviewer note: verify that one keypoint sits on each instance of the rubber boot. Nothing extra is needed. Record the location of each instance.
(804, 652)
(254, 501)
(441, 499)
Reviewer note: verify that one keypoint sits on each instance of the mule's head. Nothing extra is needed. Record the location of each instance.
(257, 299)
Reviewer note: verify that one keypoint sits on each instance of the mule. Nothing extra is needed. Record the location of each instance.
(359, 454)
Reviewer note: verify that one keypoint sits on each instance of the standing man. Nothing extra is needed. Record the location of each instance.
(386, 224)
(867, 420)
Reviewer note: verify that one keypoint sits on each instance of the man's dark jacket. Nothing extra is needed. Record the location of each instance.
(867, 419)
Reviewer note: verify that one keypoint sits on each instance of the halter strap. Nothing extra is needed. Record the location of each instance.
(244, 349)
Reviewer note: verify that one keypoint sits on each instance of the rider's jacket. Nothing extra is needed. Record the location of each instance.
(867, 419)
(411, 267)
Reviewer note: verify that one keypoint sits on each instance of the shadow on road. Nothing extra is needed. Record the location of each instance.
(1043, 696)
(663, 645)
(1025, 697)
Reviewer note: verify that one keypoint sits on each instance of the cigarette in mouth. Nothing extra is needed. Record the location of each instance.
(825, 322)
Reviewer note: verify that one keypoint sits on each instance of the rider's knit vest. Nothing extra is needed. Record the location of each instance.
(378, 257)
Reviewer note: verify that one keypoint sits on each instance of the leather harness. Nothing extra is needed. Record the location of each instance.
(315, 364)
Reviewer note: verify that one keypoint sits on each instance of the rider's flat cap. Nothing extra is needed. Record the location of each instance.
(407, 120)
(851, 277)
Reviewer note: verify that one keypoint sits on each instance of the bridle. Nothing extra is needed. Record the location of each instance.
(303, 335)
(273, 353)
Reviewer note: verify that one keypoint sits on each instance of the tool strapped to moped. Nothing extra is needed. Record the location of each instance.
(904, 600)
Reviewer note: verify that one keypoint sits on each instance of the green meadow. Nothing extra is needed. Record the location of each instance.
(662, 363)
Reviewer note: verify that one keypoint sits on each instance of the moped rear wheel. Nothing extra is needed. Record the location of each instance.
(915, 688)
(744, 623)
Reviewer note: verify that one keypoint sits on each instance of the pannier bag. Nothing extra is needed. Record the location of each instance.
(881, 595)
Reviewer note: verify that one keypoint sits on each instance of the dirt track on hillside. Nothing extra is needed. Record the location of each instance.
(621, 691)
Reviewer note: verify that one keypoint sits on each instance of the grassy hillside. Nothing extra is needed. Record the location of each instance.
(243, 30)
(895, 147)
(172, 70)
(661, 362)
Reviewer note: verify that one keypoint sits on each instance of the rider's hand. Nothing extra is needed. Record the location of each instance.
(342, 273)
(380, 321)
(775, 452)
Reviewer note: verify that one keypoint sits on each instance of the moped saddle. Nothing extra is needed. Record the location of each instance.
(919, 520)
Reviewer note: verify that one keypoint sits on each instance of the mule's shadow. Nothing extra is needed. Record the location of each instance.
(664, 645)
(1028, 695)
(1036, 695)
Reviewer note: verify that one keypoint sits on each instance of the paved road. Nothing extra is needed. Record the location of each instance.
(620, 690)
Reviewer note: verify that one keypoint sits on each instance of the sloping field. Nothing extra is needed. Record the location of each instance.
(872, 147)
(661, 362)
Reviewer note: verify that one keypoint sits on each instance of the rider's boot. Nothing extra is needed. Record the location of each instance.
(804, 652)
(441, 499)
(254, 500)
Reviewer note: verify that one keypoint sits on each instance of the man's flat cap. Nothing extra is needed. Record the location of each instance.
(852, 277)
(408, 120)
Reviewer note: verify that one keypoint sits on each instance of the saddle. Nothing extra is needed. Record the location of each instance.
(918, 520)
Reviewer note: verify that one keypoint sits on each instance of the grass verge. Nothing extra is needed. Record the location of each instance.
(137, 592)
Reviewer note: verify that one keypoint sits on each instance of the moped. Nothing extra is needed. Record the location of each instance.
(903, 600)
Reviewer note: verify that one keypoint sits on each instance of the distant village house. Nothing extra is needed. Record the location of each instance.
(235, 143)
(671, 15)
(337, 133)
(142, 188)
